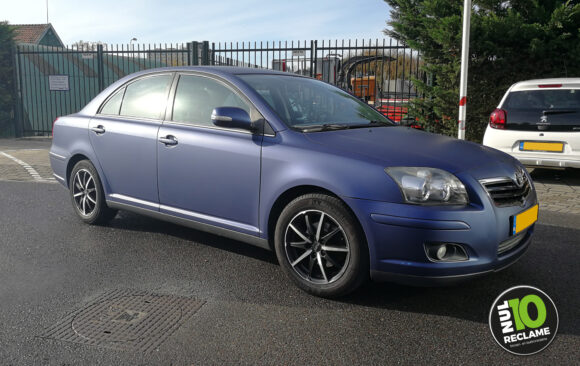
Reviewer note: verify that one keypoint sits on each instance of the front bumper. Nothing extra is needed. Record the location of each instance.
(396, 235)
(451, 279)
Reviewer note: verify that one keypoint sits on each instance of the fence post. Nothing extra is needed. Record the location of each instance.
(18, 106)
(212, 54)
(195, 53)
(101, 72)
(205, 53)
(312, 57)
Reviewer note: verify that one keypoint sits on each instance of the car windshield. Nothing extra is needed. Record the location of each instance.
(311, 105)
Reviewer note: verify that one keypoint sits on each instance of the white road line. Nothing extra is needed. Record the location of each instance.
(28, 168)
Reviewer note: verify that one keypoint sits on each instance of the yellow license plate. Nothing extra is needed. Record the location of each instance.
(542, 146)
(524, 220)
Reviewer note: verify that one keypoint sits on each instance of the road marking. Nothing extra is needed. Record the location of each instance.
(28, 168)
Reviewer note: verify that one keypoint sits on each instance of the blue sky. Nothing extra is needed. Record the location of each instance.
(157, 21)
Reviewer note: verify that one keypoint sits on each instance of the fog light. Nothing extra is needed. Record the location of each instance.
(441, 252)
(445, 252)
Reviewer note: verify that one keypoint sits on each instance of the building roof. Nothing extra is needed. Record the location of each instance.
(32, 33)
(29, 33)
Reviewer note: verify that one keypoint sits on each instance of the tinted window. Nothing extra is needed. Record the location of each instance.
(197, 96)
(302, 102)
(146, 98)
(543, 99)
(113, 105)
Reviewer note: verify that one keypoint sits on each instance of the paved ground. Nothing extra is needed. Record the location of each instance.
(25, 160)
(52, 265)
(558, 190)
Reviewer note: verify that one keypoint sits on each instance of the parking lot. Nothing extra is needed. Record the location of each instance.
(224, 302)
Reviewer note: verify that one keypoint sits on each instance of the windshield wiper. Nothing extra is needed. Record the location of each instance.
(559, 111)
(370, 124)
(325, 127)
(338, 126)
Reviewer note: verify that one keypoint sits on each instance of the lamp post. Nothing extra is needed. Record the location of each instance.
(464, 65)
(131, 44)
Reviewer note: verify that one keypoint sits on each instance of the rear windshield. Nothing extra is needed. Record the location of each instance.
(543, 99)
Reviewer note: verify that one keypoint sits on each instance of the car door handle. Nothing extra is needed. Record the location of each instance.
(168, 140)
(98, 130)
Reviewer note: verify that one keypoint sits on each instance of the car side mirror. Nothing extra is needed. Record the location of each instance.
(231, 117)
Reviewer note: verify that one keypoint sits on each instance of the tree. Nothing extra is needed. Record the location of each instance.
(6, 79)
(510, 41)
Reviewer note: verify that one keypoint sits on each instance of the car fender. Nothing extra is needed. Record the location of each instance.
(302, 163)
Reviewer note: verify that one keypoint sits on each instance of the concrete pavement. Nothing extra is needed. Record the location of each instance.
(25, 160)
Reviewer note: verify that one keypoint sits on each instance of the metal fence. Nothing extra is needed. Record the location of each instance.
(54, 81)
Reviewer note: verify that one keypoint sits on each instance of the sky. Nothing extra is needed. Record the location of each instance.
(177, 21)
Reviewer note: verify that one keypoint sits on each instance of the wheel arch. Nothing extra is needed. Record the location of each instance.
(74, 159)
(292, 193)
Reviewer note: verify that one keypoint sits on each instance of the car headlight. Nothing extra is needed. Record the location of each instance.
(429, 186)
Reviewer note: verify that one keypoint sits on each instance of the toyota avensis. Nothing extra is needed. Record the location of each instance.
(298, 166)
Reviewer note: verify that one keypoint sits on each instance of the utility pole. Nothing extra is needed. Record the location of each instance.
(46, 11)
(464, 66)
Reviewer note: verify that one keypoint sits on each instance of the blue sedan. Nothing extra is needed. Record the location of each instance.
(300, 167)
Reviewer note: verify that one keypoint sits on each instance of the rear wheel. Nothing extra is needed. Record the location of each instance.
(320, 246)
(87, 194)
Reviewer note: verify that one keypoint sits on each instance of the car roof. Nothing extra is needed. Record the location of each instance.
(219, 70)
(553, 83)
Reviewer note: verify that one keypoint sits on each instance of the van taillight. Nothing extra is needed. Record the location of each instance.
(497, 119)
(550, 86)
(52, 133)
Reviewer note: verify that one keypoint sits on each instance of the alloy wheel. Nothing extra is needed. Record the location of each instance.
(84, 192)
(316, 247)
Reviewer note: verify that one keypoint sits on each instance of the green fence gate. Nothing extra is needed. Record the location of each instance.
(56, 81)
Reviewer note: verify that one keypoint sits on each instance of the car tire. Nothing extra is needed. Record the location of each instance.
(87, 196)
(320, 246)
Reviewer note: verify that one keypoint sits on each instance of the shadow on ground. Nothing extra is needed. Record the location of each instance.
(567, 176)
(550, 264)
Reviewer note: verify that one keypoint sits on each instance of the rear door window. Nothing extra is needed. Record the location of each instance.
(113, 105)
(147, 97)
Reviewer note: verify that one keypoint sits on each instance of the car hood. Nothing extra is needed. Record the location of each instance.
(403, 146)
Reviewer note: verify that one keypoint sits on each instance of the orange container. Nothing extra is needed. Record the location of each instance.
(364, 87)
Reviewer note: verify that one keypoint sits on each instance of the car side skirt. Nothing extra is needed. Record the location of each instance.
(246, 238)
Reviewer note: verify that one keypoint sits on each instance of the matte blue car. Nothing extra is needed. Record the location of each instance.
(295, 165)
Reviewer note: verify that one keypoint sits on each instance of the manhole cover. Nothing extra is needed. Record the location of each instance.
(126, 320)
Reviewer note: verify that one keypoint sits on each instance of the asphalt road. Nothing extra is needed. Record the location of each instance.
(52, 265)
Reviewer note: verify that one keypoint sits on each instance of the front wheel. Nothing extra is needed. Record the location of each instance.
(320, 247)
(87, 194)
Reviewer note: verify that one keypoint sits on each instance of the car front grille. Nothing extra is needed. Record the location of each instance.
(505, 192)
(511, 243)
